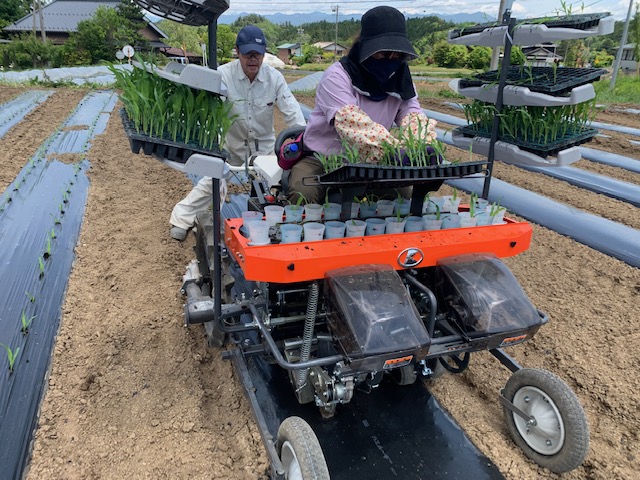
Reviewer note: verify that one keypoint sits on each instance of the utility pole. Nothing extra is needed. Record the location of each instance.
(300, 32)
(623, 40)
(495, 53)
(335, 50)
(42, 29)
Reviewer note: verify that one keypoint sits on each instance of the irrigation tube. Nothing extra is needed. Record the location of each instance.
(614, 239)
(608, 158)
(624, 191)
(627, 192)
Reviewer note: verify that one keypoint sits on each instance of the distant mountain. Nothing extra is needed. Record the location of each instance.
(300, 18)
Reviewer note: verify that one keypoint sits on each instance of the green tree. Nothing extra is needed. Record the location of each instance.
(480, 58)
(185, 37)
(226, 41)
(602, 59)
(12, 10)
(100, 37)
(440, 52)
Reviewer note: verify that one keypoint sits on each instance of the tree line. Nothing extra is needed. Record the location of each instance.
(98, 39)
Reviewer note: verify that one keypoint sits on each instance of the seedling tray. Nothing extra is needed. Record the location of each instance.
(162, 147)
(539, 79)
(570, 139)
(578, 22)
(388, 176)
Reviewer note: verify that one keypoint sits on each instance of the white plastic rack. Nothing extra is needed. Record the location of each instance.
(530, 33)
(500, 94)
(195, 76)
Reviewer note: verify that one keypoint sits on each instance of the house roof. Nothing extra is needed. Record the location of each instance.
(64, 16)
(326, 45)
(288, 45)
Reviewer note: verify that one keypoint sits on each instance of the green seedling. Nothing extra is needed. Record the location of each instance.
(41, 265)
(25, 323)
(454, 197)
(65, 198)
(472, 204)
(495, 209)
(47, 252)
(52, 234)
(31, 297)
(61, 209)
(11, 355)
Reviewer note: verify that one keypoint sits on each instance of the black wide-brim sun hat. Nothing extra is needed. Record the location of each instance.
(384, 29)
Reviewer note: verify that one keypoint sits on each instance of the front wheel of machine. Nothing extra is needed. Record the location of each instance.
(559, 440)
(300, 451)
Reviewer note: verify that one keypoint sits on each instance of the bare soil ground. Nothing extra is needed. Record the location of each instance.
(132, 393)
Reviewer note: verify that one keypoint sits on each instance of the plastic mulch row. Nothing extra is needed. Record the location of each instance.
(570, 139)
(579, 22)
(162, 148)
(368, 173)
(539, 79)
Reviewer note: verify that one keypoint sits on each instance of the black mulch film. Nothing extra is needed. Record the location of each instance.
(393, 432)
(570, 139)
(162, 147)
(579, 22)
(549, 80)
(41, 214)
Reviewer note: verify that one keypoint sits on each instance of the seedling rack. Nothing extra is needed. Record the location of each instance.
(553, 81)
(527, 87)
(578, 22)
(536, 30)
(569, 139)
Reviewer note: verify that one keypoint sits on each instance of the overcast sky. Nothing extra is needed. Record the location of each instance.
(520, 9)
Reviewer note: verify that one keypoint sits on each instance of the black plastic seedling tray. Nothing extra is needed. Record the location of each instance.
(161, 147)
(578, 22)
(570, 139)
(389, 176)
(539, 79)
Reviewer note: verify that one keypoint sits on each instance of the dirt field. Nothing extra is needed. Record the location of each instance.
(134, 394)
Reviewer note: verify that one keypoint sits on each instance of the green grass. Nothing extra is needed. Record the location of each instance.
(433, 71)
(627, 90)
(440, 93)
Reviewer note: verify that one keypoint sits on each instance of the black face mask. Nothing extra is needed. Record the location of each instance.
(382, 69)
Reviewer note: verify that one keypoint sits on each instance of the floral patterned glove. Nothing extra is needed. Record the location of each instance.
(368, 137)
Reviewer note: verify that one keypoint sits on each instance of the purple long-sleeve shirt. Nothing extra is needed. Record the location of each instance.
(334, 91)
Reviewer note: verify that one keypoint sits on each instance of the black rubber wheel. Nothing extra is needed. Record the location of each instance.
(559, 440)
(300, 451)
(405, 375)
(456, 363)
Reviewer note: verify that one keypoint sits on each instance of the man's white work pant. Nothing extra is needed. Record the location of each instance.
(198, 200)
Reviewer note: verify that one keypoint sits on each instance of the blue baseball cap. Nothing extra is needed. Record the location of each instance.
(251, 39)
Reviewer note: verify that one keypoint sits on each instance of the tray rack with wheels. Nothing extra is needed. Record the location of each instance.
(345, 315)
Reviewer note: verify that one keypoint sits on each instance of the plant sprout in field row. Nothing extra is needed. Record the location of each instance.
(25, 323)
(31, 297)
(11, 355)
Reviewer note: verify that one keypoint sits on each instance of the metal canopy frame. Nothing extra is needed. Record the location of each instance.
(191, 12)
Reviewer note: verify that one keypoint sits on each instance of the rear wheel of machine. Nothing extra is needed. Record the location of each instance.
(405, 375)
(559, 440)
(300, 451)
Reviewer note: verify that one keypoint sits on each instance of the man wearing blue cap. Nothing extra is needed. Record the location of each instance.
(254, 89)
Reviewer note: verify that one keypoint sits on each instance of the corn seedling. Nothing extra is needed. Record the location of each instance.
(52, 234)
(11, 355)
(41, 266)
(65, 198)
(25, 323)
(31, 297)
(47, 252)
(160, 108)
(330, 162)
